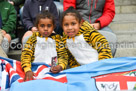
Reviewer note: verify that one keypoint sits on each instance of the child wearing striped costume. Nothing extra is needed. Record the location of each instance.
(84, 44)
(42, 46)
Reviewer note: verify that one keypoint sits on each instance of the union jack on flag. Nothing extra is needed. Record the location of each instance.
(12, 71)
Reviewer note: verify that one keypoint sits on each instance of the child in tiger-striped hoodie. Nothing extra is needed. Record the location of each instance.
(42, 46)
(84, 44)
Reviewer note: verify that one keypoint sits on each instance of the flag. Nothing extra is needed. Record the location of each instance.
(90, 77)
(12, 72)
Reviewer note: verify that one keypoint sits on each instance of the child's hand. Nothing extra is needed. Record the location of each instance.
(56, 69)
(29, 76)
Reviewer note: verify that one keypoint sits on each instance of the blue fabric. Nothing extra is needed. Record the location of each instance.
(79, 78)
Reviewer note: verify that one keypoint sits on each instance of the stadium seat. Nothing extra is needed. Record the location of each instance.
(111, 37)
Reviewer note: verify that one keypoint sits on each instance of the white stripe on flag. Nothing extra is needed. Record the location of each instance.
(14, 65)
(56, 77)
(42, 73)
(3, 81)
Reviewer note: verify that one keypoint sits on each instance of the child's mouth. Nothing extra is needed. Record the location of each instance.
(46, 33)
(71, 33)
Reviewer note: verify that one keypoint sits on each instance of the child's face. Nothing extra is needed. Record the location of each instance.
(71, 25)
(45, 27)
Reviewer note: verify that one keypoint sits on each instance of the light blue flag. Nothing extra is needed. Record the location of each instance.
(79, 78)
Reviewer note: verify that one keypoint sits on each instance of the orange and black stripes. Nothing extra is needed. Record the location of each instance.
(61, 52)
(94, 39)
(27, 56)
(97, 40)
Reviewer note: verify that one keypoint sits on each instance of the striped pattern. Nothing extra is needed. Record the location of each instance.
(12, 72)
(27, 56)
(94, 39)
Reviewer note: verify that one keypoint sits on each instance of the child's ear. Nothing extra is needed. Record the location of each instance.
(81, 22)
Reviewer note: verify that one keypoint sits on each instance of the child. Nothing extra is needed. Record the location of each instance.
(84, 43)
(42, 46)
(99, 13)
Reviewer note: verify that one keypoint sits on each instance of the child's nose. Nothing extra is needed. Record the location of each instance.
(45, 28)
(70, 27)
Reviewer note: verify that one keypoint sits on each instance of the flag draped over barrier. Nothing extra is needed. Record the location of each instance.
(97, 76)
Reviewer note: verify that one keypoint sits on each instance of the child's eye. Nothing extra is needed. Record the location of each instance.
(49, 25)
(65, 24)
(73, 23)
(42, 25)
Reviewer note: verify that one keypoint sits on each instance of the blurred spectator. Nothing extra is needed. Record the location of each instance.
(99, 13)
(7, 32)
(0, 21)
(30, 11)
(17, 4)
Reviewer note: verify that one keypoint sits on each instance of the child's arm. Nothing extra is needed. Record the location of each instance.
(61, 53)
(27, 56)
(97, 41)
(71, 60)
(100, 43)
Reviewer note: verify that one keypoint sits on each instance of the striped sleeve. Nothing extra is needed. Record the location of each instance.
(27, 55)
(71, 60)
(97, 41)
(61, 52)
(100, 43)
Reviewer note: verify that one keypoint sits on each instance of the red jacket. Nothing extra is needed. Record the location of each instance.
(107, 15)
